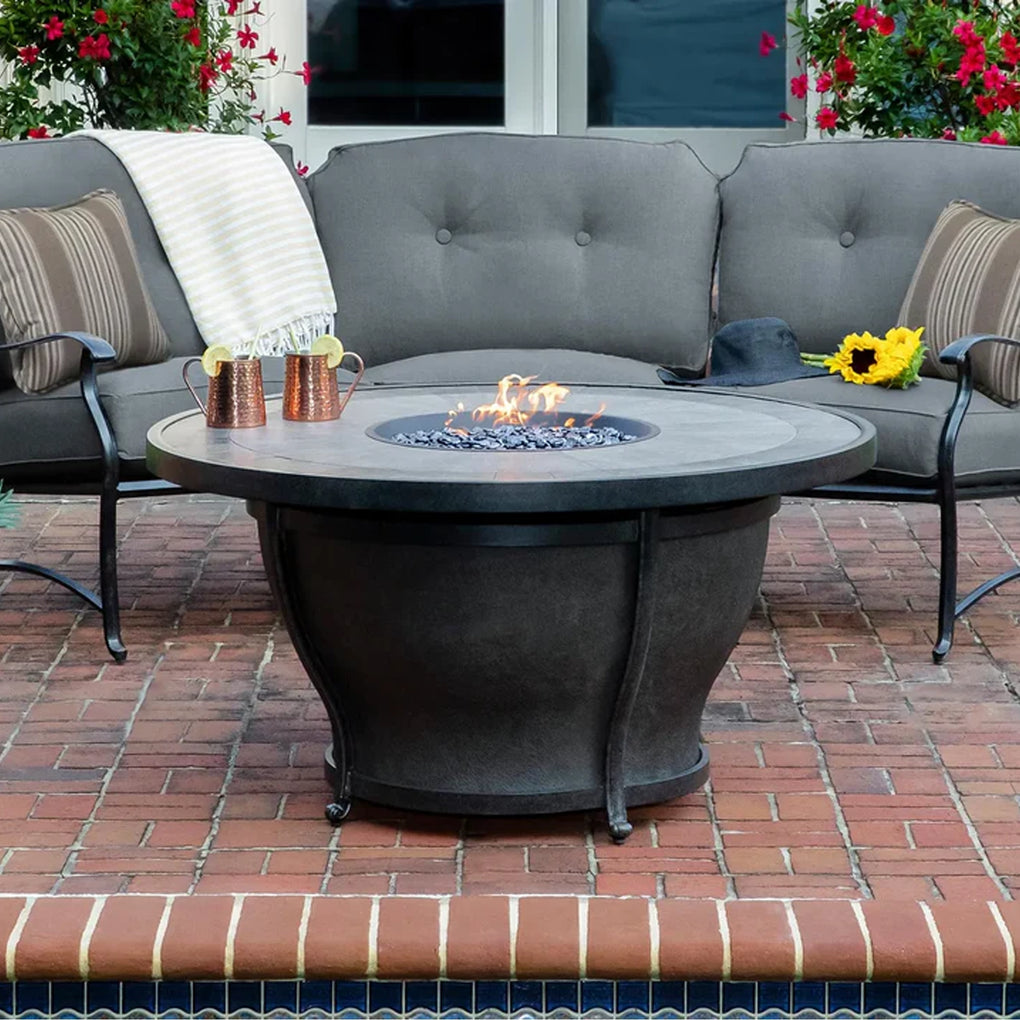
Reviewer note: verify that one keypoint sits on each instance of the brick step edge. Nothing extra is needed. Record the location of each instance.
(252, 936)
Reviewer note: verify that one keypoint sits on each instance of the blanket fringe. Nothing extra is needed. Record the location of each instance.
(292, 336)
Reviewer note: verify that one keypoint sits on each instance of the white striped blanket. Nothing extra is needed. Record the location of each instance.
(237, 233)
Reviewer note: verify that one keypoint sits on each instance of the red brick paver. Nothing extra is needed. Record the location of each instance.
(164, 817)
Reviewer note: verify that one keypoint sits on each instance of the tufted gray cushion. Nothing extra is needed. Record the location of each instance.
(826, 235)
(464, 241)
(909, 423)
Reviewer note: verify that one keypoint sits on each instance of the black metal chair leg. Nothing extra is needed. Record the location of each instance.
(947, 580)
(108, 574)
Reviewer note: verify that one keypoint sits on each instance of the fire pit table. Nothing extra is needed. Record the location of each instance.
(524, 630)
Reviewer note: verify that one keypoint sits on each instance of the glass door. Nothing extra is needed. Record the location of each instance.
(660, 69)
(653, 69)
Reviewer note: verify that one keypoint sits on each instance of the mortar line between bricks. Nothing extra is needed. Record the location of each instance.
(302, 939)
(823, 765)
(235, 749)
(88, 931)
(332, 854)
(968, 824)
(11, 950)
(1006, 938)
(936, 941)
(718, 848)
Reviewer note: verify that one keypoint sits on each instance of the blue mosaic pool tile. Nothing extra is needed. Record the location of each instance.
(347, 996)
(986, 997)
(632, 995)
(102, 996)
(844, 997)
(67, 997)
(209, 998)
(562, 995)
(915, 999)
(809, 995)
(951, 998)
(137, 997)
(244, 998)
(32, 997)
(669, 997)
(280, 995)
(385, 998)
(1012, 999)
(173, 997)
(456, 995)
(880, 995)
(738, 995)
(525, 995)
(597, 995)
(773, 998)
(6, 998)
(318, 995)
(421, 997)
(492, 997)
(703, 996)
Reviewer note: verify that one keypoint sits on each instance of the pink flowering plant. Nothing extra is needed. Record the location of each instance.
(144, 64)
(913, 68)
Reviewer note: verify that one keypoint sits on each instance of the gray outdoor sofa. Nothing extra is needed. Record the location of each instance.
(461, 258)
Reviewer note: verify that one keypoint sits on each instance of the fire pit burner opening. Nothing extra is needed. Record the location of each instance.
(430, 432)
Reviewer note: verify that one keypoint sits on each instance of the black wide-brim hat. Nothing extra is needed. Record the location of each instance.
(751, 352)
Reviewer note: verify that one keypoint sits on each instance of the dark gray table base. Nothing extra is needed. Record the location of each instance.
(515, 664)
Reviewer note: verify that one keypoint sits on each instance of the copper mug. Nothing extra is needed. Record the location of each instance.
(236, 399)
(310, 390)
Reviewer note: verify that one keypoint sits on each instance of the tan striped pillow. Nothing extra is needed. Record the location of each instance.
(968, 281)
(73, 267)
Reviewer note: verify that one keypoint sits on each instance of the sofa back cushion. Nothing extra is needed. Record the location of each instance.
(466, 241)
(826, 235)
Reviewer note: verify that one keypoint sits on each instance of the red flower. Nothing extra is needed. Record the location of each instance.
(785, 116)
(207, 74)
(964, 31)
(986, 104)
(193, 36)
(798, 86)
(29, 54)
(826, 117)
(225, 60)
(824, 82)
(232, 6)
(247, 37)
(844, 69)
(95, 48)
(994, 139)
(256, 8)
(993, 78)
(100, 17)
(272, 56)
(38, 132)
(768, 44)
(1008, 97)
(866, 17)
(949, 135)
(54, 28)
(283, 116)
(302, 169)
(183, 8)
(972, 62)
(886, 24)
(305, 74)
(1010, 48)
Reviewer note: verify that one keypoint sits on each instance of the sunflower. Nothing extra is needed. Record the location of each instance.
(863, 358)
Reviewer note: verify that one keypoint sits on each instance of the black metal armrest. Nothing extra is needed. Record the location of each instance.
(94, 348)
(958, 351)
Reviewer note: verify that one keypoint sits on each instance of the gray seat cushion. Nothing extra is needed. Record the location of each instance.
(50, 437)
(909, 423)
(454, 242)
(489, 366)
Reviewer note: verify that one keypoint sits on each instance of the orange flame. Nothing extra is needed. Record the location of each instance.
(511, 393)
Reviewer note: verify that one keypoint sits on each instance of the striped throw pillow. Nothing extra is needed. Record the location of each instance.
(73, 267)
(968, 281)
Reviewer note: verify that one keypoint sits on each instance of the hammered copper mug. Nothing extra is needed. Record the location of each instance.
(236, 399)
(310, 390)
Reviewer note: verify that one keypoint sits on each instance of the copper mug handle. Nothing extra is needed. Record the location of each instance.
(191, 389)
(354, 381)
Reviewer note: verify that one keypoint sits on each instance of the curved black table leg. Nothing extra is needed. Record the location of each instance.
(640, 638)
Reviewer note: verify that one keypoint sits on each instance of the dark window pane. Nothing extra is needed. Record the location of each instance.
(684, 63)
(406, 62)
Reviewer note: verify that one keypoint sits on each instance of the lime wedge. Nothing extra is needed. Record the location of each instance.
(213, 356)
(331, 346)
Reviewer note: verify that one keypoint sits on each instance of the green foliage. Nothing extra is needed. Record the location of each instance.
(9, 512)
(144, 64)
(919, 68)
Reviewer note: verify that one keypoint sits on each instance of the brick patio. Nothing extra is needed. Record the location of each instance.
(164, 818)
